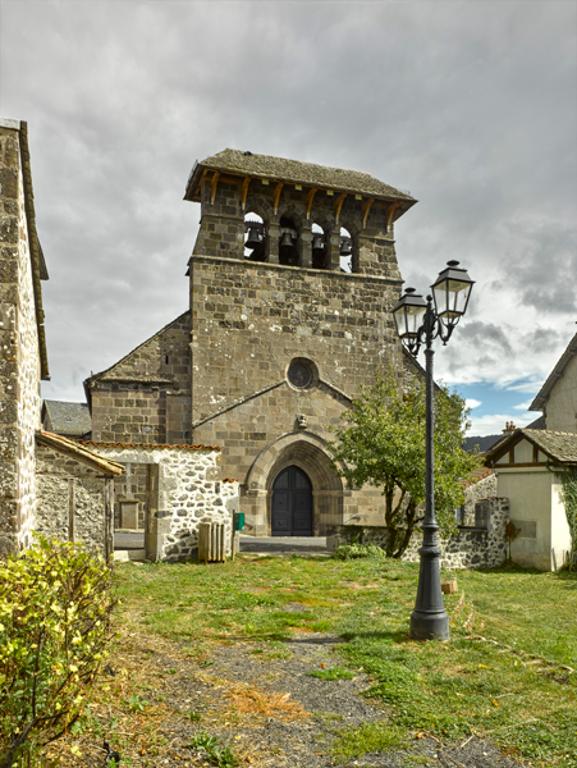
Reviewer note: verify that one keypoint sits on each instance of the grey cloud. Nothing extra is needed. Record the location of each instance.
(543, 273)
(471, 109)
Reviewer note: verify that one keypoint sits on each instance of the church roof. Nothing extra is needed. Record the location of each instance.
(542, 396)
(125, 369)
(66, 418)
(244, 163)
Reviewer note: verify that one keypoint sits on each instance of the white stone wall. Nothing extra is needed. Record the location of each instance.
(529, 492)
(189, 492)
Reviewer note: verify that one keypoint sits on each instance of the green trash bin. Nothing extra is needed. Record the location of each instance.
(238, 521)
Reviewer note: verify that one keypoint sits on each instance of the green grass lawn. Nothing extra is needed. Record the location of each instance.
(513, 691)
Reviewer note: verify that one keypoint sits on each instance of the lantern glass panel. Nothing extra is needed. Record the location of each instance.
(451, 298)
(409, 319)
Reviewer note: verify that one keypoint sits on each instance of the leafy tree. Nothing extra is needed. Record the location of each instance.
(381, 441)
(55, 607)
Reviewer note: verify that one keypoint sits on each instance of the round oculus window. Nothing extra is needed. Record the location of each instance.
(302, 373)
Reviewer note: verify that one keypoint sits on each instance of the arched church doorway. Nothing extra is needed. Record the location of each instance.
(292, 503)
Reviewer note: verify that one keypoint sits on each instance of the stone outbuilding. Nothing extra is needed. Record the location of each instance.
(74, 493)
(166, 492)
(293, 278)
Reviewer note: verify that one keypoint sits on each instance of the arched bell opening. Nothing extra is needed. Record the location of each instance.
(346, 250)
(254, 237)
(319, 247)
(288, 251)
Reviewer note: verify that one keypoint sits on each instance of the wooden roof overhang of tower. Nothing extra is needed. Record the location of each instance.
(234, 166)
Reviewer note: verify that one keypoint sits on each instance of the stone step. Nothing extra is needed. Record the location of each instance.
(126, 555)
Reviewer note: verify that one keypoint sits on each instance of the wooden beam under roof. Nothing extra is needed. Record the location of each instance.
(310, 200)
(366, 210)
(214, 186)
(276, 196)
(392, 209)
(339, 205)
(244, 191)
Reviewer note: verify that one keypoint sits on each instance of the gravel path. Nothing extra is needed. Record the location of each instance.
(266, 706)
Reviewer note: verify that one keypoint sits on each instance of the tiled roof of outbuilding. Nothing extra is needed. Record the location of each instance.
(560, 447)
(152, 446)
(80, 452)
(235, 161)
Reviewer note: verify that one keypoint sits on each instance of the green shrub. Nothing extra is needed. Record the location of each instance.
(354, 551)
(55, 606)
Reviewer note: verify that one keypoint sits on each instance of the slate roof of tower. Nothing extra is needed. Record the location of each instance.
(543, 395)
(246, 163)
(561, 447)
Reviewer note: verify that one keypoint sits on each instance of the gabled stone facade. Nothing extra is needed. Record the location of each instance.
(292, 282)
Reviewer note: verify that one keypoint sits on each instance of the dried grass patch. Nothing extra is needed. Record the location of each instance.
(250, 700)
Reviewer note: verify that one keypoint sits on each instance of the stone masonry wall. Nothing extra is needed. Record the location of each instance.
(473, 547)
(145, 397)
(469, 548)
(221, 231)
(250, 319)
(190, 491)
(71, 500)
(486, 488)
(19, 355)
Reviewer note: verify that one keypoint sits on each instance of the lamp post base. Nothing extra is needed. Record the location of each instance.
(429, 625)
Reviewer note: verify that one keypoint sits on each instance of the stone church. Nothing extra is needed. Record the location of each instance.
(293, 277)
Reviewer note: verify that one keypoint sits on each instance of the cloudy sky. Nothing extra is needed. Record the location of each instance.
(471, 105)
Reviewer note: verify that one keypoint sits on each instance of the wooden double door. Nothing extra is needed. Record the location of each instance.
(292, 504)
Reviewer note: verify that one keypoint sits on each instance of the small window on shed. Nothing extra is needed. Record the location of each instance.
(254, 237)
(482, 513)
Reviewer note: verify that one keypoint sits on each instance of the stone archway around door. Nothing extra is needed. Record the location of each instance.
(307, 453)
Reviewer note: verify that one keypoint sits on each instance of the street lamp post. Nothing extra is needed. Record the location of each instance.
(419, 322)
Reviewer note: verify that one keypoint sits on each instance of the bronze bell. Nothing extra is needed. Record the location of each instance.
(318, 242)
(254, 238)
(346, 246)
(286, 240)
